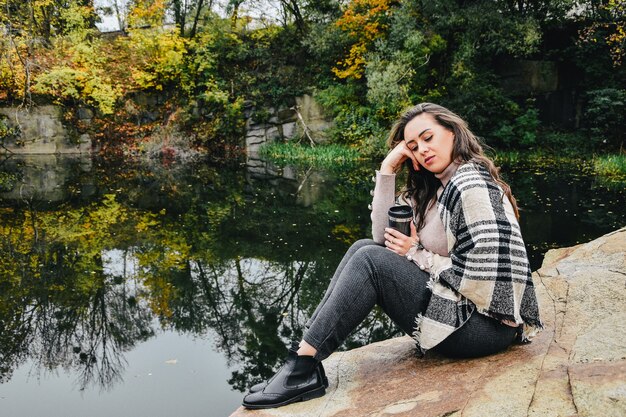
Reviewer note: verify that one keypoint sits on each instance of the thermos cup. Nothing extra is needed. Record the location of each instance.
(400, 218)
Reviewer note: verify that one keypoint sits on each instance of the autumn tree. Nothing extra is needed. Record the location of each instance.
(31, 29)
(365, 21)
(609, 27)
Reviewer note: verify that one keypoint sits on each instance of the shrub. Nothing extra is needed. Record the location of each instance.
(605, 116)
(66, 84)
(491, 114)
(521, 132)
(564, 142)
(387, 89)
(156, 58)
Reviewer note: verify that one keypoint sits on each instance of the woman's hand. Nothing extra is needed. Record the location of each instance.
(399, 242)
(394, 159)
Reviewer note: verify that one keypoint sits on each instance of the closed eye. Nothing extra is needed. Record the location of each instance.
(412, 145)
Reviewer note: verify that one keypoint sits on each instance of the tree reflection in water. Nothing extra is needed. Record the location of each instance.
(82, 283)
(59, 307)
(242, 254)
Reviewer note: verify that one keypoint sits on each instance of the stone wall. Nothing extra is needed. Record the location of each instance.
(550, 83)
(283, 123)
(42, 131)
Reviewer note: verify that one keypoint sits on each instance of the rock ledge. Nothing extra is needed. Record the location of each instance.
(575, 367)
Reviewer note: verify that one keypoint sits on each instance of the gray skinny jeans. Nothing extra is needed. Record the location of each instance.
(369, 274)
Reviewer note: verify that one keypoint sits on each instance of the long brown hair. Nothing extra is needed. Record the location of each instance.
(422, 185)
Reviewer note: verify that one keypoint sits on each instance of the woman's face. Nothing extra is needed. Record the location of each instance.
(430, 142)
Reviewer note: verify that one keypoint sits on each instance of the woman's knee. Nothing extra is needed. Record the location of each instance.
(356, 246)
(377, 254)
(368, 253)
(362, 265)
(361, 243)
(374, 259)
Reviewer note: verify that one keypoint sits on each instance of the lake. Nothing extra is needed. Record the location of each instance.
(161, 289)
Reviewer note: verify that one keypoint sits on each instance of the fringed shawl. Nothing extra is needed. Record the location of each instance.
(487, 269)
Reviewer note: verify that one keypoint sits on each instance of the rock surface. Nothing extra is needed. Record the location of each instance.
(575, 367)
(284, 124)
(42, 132)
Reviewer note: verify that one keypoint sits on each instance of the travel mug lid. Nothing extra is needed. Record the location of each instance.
(401, 212)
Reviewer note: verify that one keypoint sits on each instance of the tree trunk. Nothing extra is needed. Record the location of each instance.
(197, 16)
(235, 15)
(291, 6)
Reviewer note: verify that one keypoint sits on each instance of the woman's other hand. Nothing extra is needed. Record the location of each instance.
(399, 242)
(394, 159)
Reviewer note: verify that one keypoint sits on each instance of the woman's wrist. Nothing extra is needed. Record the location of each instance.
(421, 257)
(386, 169)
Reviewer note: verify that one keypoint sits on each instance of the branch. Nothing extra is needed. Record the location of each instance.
(307, 130)
(306, 177)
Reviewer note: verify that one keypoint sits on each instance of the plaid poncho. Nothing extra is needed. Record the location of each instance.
(487, 269)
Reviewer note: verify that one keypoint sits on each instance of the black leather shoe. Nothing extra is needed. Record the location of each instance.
(259, 387)
(299, 379)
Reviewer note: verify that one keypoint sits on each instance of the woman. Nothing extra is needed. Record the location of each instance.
(460, 284)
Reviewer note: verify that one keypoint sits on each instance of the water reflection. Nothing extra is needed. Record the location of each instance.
(45, 178)
(98, 257)
(193, 249)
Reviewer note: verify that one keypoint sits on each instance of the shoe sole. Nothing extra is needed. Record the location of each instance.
(316, 393)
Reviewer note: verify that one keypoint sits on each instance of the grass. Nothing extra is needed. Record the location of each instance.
(323, 156)
(610, 170)
(537, 157)
(610, 165)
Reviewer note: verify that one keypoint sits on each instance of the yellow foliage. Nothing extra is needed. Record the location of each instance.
(155, 57)
(77, 238)
(74, 70)
(145, 223)
(354, 64)
(160, 293)
(615, 35)
(12, 72)
(75, 66)
(365, 21)
(147, 13)
(617, 39)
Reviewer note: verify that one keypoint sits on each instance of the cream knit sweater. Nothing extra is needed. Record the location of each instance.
(432, 236)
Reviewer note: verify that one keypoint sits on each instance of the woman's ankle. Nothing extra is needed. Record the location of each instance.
(306, 349)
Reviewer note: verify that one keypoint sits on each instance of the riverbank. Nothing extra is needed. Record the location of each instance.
(609, 168)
